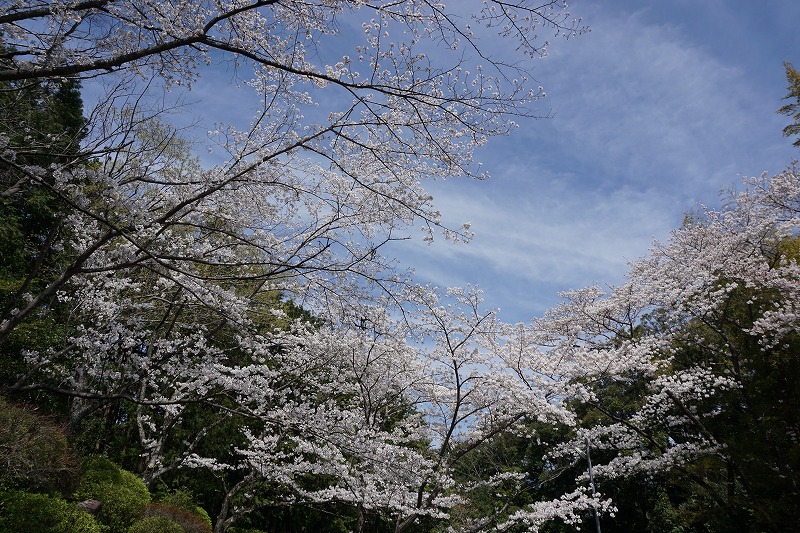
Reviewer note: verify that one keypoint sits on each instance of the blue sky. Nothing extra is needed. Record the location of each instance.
(660, 107)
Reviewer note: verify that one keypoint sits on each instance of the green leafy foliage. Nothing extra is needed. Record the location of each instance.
(792, 110)
(39, 513)
(123, 495)
(322, 518)
(183, 500)
(755, 483)
(42, 124)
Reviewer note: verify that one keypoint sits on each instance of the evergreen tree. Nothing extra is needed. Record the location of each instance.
(792, 110)
(41, 126)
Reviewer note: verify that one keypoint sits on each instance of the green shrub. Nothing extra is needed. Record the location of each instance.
(33, 452)
(183, 499)
(123, 495)
(155, 524)
(39, 513)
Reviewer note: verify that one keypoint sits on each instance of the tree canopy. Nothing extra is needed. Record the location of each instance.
(240, 320)
(232, 334)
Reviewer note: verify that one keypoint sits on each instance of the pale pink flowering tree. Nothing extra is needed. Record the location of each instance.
(174, 274)
(707, 326)
(311, 198)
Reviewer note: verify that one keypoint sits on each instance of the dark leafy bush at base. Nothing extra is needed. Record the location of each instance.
(183, 499)
(33, 452)
(190, 522)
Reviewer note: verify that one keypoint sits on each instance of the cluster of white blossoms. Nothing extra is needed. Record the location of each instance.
(688, 331)
(257, 289)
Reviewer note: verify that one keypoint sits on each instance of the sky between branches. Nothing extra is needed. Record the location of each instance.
(660, 107)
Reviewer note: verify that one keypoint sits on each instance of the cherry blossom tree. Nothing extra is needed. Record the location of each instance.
(175, 281)
(703, 337)
(302, 205)
(328, 190)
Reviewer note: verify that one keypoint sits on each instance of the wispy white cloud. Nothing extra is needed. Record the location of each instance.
(647, 121)
(643, 101)
(652, 112)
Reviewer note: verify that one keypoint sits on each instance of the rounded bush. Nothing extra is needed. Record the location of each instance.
(123, 495)
(39, 513)
(155, 524)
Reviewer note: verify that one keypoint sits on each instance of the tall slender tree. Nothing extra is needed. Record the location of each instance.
(792, 109)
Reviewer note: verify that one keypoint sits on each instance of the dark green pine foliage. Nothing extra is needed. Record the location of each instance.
(41, 126)
(44, 125)
(792, 109)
